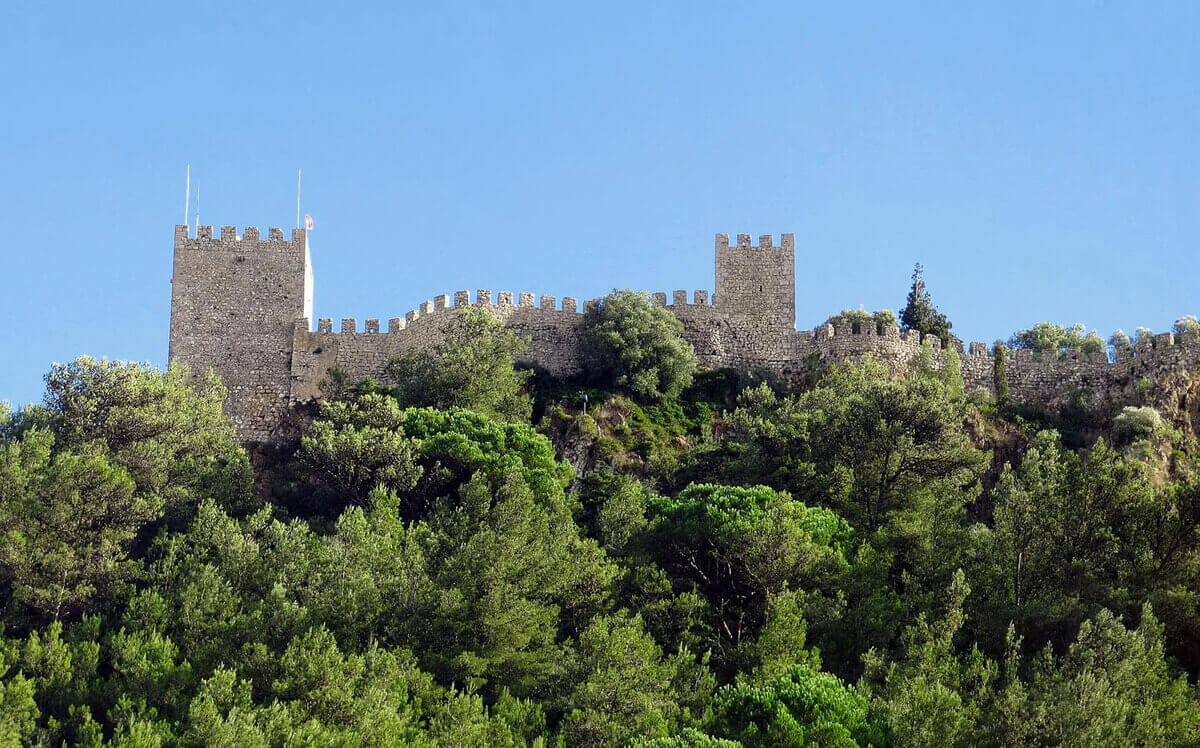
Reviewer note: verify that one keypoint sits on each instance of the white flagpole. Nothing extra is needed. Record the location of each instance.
(187, 194)
(297, 198)
(197, 209)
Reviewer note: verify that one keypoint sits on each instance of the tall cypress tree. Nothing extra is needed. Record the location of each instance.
(919, 312)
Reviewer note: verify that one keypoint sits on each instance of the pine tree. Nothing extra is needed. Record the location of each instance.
(919, 312)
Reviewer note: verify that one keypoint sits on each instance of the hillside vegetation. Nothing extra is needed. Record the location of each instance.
(473, 553)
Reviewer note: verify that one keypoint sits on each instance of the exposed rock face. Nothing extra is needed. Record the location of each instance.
(241, 306)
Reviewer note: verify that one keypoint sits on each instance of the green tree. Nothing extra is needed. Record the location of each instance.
(478, 569)
(879, 320)
(352, 453)
(635, 346)
(67, 519)
(424, 454)
(920, 314)
(625, 686)
(18, 710)
(932, 694)
(1000, 372)
(165, 429)
(859, 441)
(1075, 533)
(799, 706)
(1112, 686)
(473, 369)
(1120, 340)
(741, 546)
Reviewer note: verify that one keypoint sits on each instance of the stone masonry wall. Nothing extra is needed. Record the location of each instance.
(757, 282)
(234, 302)
(242, 307)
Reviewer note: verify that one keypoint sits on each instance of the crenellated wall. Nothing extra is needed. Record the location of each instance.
(241, 306)
(553, 328)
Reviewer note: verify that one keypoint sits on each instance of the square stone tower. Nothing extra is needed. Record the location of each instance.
(234, 305)
(757, 282)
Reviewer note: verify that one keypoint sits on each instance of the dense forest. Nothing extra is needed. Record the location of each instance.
(469, 552)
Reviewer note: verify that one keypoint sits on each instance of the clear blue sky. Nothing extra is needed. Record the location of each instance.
(1043, 163)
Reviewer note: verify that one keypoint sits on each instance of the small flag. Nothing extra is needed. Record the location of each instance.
(308, 222)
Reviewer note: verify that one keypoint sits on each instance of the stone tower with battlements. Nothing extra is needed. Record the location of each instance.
(235, 300)
(757, 282)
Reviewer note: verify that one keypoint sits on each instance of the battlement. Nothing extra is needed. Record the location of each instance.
(757, 281)
(680, 299)
(858, 337)
(204, 235)
(787, 242)
(501, 302)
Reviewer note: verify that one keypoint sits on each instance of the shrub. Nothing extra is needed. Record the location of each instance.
(1120, 340)
(1187, 323)
(880, 320)
(637, 347)
(1047, 337)
(1133, 424)
(474, 369)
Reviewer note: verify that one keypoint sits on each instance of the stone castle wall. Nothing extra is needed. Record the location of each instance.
(242, 307)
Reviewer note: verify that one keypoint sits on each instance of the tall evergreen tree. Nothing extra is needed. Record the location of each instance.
(919, 312)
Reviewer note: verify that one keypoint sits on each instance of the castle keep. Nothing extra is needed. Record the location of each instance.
(241, 306)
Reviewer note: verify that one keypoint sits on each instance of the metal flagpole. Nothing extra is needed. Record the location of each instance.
(297, 198)
(187, 194)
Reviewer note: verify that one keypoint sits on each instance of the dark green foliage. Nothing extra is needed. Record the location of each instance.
(66, 525)
(473, 369)
(167, 431)
(371, 442)
(1075, 533)
(862, 442)
(634, 346)
(920, 314)
(739, 547)
(737, 564)
(115, 448)
(1000, 372)
(625, 686)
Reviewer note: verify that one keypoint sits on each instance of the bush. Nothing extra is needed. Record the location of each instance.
(1047, 337)
(474, 369)
(1133, 424)
(1120, 340)
(632, 345)
(880, 320)
(801, 706)
(1187, 323)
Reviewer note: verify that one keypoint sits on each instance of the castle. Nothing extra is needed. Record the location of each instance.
(241, 306)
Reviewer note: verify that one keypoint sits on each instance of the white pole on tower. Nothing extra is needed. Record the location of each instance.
(187, 194)
(297, 198)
